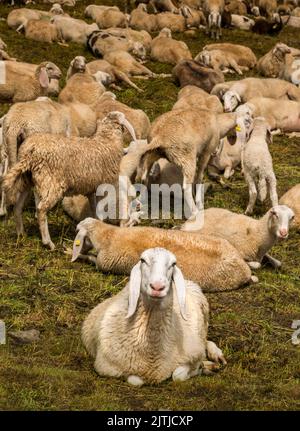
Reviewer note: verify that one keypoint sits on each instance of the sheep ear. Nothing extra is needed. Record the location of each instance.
(134, 289)
(180, 290)
(238, 97)
(43, 78)
(78, 244)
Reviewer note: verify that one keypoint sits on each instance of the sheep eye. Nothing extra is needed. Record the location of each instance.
(143, 261)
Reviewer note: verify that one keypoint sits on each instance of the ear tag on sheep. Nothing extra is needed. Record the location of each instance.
(238, 129)
(179, 282)
(78, 244)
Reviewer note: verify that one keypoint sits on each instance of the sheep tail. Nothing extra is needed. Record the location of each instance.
(16, 181)
(262, 189)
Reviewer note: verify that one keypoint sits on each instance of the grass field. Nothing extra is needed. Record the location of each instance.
(43, 290)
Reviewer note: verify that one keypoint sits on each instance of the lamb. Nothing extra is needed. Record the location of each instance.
(73, 30)
(21, 87)
(47, 162)
(213, 10)
(194, 97)
(141, 20)
(191, 72)
(272, 63)
(292, 199)
(243, 55)
(248, 88)
(284, 116)
(252, 238)
(145, 356)
(212, 262)
(168, 50)
(258, 166)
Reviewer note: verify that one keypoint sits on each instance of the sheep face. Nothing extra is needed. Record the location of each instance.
(231, 100)
(152, 277)
(280, 218)
(138, 50)
(78, 64)
(53, 71)
(57, 9)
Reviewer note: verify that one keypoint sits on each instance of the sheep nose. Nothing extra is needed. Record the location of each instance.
(157, 285)
(283, 232)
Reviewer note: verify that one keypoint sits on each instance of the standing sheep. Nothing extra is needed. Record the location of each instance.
(258, 166)
(122, 335)
(58, 166)
(212, 262)
(213, 10)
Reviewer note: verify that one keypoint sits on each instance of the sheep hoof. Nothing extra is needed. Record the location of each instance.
(3, 212)
(215, 353)
(181, 373)
(49, 244)
(209, 368)
(254, 265)
(253, 279)
(135, 381)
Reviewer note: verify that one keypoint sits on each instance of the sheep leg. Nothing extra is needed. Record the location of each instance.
(228, 172)
(254, 265)
(143, 70)
(252, 195)
(88, 258)
(123, 77)
(274, 262)
(185, 372)
(43, 207)
(214, 353)
(235, 67)
(271, 181)
(18, 209)
(3, 209)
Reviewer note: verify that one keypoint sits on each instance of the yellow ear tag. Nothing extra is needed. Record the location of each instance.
(77, 242)
(238, 129)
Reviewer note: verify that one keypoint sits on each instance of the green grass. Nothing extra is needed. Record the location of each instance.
(43, 290)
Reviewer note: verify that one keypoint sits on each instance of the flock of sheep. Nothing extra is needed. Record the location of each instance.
(156, 327)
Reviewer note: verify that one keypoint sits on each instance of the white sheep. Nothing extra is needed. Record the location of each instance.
(73, 30)
(213, 10)
(168, 50)
(242, 22)
(292, 199)
(258, 166)
(252, 238)
(155, 328)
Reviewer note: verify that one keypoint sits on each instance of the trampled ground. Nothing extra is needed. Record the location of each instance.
(42, 289)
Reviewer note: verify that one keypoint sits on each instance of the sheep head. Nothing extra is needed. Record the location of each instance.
(47, 71)
(152, 277)
(279, 220)
(119, 118)
(78, 64)
(231, 100)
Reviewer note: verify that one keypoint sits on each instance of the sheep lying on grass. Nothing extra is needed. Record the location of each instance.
(155, 328)
(292, 199)
(252, 238)
(211, 262)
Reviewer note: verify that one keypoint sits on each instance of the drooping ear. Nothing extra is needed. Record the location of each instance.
(134, 289)
(238, 97)
(43, 78)
(180, 290)
(78, 244)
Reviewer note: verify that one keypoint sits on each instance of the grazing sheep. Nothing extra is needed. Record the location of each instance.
(73, 30)
(213, 10)
(21, 87)
(141, 20)
(248, 88)
(148, 302)
(292, 199)
(194, 97)
(272, 63)
(59, 166)
(258, 166)
(168, 50)
(212, 262)
(190, 72)
(252, 238)
(243, 55)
